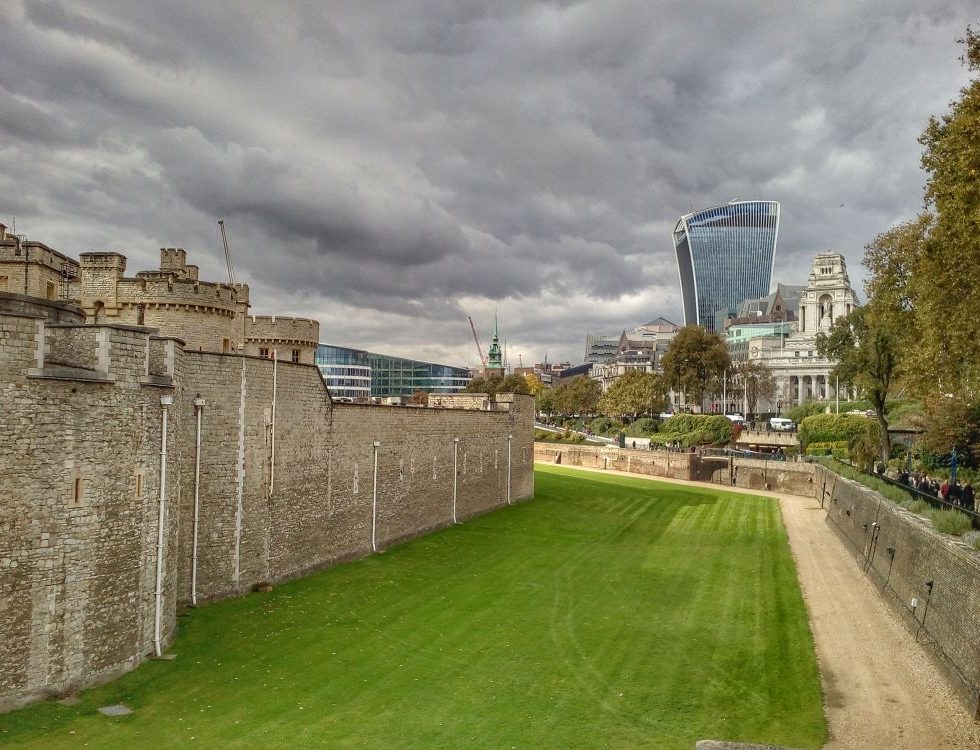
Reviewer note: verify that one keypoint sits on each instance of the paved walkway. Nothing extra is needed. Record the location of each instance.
(881, 691)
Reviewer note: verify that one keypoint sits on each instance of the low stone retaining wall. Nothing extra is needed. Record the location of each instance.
(931, 580)
(779, 476)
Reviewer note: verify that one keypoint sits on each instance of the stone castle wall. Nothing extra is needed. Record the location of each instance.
(80, 461)
(285, 335)
(286, 486)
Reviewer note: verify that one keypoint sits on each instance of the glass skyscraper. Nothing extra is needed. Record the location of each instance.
(358, 374)
(724, 257)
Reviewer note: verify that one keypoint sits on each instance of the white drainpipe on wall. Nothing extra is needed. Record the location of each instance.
(455, 460)
(165, 403)
(272, 468)
(374, 500)
(199, 408)
(509, 438)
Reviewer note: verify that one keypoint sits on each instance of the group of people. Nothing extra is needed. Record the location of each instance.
(956, 493)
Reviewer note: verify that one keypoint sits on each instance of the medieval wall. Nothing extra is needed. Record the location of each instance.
(908, 560)
(314, 504)
(285, 335)
(80, 466)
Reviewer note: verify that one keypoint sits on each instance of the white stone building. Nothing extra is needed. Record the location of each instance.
(801, 374)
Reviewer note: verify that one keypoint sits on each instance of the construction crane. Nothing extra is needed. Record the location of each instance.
(479, 349)
(224, 241)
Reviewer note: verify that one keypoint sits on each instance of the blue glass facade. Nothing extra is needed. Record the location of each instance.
(724, 257)
(381, 375)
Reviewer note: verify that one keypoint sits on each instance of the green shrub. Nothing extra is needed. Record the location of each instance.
(696, 429)
(838, 449)
(806, 409)
(831, 428)
(949, 521)
(599, 425)
(919, 506)
(643, 427)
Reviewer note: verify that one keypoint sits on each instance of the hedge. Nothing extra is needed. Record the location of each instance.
(831, 428)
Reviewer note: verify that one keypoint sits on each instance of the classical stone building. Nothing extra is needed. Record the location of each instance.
(142, 472)
(801, 373)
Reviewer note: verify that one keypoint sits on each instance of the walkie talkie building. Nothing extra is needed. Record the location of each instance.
(724, 257)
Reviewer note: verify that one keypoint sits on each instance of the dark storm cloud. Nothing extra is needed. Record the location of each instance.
(393, 169)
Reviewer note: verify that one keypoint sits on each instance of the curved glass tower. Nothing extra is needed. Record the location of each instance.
(724, 257)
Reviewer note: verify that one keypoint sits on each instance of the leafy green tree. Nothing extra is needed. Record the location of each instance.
(514, 384)
(634, 394)
(866, 351)
(695, 363)
(946, 279)
(756, 381)
(580, 395)
(534, 384)
(545, 401)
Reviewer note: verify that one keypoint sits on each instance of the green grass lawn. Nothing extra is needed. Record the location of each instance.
(608, 612)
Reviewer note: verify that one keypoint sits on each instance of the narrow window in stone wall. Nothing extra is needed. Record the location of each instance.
(264, 352)
(225, 346)
(295, 355)
(355, 478)
(433, 467)
(139, 484)
(77, 494)
(464, 462)
(496, 459)
(401, 469)
(523, 454)
(50, 290)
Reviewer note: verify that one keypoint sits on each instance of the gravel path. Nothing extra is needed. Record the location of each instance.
(880, 688)
(881, 691)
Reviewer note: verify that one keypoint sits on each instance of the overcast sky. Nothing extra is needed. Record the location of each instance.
(392, 167)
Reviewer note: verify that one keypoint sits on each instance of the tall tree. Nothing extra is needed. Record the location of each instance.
(695, 362)
(866, 351)
(580, 395)
(634, 394)
(945, 288)
(756, 381)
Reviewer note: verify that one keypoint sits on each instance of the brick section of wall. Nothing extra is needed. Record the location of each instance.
(950, 625)
(80, 465)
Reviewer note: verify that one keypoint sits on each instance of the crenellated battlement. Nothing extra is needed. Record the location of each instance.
(124, 355)
(294, 339)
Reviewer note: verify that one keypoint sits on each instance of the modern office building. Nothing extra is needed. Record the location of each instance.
(357, 374)
(724, 257)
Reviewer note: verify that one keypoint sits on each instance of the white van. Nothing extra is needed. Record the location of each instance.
(781, 424)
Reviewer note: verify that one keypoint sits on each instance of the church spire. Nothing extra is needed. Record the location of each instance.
(494, 360)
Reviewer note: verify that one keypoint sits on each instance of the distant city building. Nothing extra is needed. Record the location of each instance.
(358, 374)
(801, 373)
(724, 257)
(655, 335)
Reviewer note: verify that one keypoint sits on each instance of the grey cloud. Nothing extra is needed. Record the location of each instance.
(410, 165)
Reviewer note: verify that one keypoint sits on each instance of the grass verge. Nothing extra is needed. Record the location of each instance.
(609, 612)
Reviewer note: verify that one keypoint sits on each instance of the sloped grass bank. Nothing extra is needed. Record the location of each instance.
(607, 612)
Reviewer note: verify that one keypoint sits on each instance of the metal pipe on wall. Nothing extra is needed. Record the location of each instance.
(272, 467)
(199, 409)
(455, 459)
(374, 501)
(165, 403)
(509, 438)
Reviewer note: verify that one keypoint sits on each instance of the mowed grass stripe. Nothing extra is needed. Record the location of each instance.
(607, 612)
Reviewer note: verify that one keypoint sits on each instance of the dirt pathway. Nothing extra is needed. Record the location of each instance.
(881, 691)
